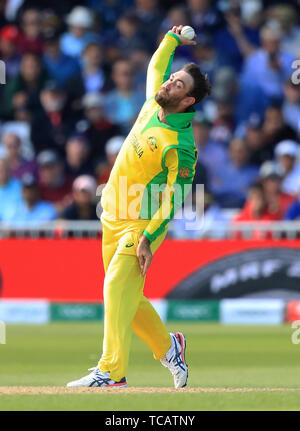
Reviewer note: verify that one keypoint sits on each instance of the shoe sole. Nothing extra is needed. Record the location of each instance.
(115, 386)
(182, 337)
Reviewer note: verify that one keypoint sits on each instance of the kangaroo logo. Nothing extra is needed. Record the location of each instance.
(152, 143)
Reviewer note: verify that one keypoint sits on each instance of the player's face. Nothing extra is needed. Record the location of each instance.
(174, 90)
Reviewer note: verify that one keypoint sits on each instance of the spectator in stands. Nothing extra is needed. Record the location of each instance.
(274, 130)
(9, 37)
(18, 165)
(293, 212)
(139, 59)
(255, 210)
(269, 66)
(77, 156)
(51, 125)
(10, 188)
(286, 153)
(112, 148)
(124, 102)
(271, 178)
(287, 17)
(22, 91)
(109, 12)
(212, 155)
(203, 16)
(236, 40)
(254, 139)
(199, 219)
(93, 74)
(224, 91)
(31, 38)
(224, 124)
(60, 67)
(291, 104)
(80, 21)
(129, 37)
(244, 97)
(55, 185)
(84, 204)
(150, 18)
(206, 56)
(96, 126)
(176, 15)
(30, 210)
(92, 77)
(231, 183)
(3, 9)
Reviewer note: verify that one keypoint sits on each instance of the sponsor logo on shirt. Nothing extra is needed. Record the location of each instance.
(130, 244)
(152, 143)
(136, 146)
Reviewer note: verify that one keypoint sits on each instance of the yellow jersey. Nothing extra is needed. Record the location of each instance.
(154, 158)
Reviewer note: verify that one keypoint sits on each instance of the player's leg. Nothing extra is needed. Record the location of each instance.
(147, 324)
(123, 287)
(169, 348)
(109, 243)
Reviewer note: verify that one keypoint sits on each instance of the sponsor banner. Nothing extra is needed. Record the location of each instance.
(73, 311)
(292, 311)
(254, 273)
(252, 311)
(71, 270)
(193, 310)
(76, 312)
(19, 311)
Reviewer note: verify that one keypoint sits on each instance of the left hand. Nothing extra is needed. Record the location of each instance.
(144, 254)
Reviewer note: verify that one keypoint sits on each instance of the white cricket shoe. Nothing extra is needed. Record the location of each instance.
(97, 379)
(175, 360)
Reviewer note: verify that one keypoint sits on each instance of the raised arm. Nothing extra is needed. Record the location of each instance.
(160, 64)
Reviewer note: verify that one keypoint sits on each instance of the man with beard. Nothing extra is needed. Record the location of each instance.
(144, 190)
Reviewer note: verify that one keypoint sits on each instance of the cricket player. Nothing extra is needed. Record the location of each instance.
(156, 160)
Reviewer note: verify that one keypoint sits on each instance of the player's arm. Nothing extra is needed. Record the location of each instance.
(159, 68)
(179, 183)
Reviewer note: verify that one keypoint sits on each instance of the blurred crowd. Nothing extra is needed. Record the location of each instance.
(75, 82)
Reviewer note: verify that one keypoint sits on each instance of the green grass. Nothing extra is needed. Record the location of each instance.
(218, 357)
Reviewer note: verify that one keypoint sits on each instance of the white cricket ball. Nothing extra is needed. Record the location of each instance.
(188, 32)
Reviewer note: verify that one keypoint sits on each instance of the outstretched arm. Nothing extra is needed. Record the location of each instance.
(160, 64)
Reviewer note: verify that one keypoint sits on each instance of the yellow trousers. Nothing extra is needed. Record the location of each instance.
(125, 307)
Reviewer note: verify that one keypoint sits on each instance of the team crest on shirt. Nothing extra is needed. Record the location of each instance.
(184, 172)
(152, 143)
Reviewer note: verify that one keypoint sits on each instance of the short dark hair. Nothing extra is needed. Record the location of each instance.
(202, 86)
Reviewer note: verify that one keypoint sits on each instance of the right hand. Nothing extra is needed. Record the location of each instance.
(183, 40)
(144, 254)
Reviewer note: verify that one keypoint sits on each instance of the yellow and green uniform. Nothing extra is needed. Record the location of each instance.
(153, 155)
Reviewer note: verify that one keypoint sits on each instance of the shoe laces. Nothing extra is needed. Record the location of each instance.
(99, 376)
(175, 361)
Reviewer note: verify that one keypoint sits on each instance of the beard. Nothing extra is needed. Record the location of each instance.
(165, 100)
